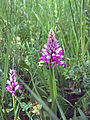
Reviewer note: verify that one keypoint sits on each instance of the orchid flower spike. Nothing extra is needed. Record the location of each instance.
(52, 53)
(12, 84)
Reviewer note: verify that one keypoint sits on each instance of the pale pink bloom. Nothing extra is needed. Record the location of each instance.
(12, 84)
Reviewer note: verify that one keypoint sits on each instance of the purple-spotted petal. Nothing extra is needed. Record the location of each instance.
(48, 57)
(13, 94)
(8, 88)
(16, 83)
(60, 62)
(43, 50)
(41, 58)
(17, 87)
(54, 63)
(58, 50)
(45, 63)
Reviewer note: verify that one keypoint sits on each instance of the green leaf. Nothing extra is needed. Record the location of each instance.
(23, 106)
(82, 114)
(16, 112)
(74, 117)
(61, 111)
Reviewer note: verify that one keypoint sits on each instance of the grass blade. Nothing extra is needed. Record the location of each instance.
(61, 111)
(82, 114)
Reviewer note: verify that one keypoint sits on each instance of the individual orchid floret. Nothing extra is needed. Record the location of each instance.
(52, 53)
(12, 84)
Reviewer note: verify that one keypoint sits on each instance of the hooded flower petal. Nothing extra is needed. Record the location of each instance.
(8, 88)
(17, 87)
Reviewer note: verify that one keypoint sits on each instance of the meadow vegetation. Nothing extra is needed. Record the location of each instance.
(24, 29)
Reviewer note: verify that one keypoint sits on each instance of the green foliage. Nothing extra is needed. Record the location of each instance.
(83, 117)
(24, 106)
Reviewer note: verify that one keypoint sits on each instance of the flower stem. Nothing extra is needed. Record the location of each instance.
(51, 86)
(14, 104)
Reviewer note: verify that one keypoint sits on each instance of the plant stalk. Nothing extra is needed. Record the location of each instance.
(51, 86)
(14, 104)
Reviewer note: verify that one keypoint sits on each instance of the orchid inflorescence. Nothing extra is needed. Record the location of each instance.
(13, 85)
(52, 53)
